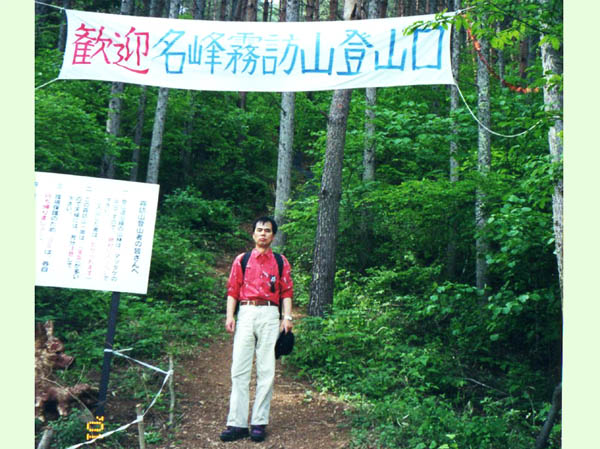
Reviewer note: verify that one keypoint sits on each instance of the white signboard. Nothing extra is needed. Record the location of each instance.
(94, 233)
(255, 56)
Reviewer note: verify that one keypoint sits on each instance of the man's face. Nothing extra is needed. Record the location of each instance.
(263, 234)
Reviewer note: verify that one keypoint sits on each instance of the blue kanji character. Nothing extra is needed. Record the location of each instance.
(354, 54)
(438, 64)
(289, 46)
(168, 54)
(195, 53)
(269, 62)
(213, 48)
(317, 57)
(236, 55)
(250, 59)
(389, 64)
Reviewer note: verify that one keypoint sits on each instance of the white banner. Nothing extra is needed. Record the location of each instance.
(94, 233)
(255, 56)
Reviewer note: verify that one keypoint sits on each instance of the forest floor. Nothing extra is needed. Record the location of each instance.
(300, 418)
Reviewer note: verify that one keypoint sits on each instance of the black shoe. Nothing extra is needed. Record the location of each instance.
(234, 433)
(257, 433)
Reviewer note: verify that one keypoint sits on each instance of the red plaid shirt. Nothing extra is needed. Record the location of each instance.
(256, 284)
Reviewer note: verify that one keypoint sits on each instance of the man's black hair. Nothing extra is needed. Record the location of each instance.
(265, 220)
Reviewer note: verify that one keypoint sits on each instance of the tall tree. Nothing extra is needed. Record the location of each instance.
(484, 161)
(62, 34)
(454, 104)
(159, 118)
(251, 16)
(151, 7)
(323, 273)
(553, 101)
(286, 142)
(371, 100)
(333, 7)
(113, 120)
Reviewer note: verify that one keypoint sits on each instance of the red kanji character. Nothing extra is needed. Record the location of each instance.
(141, 49)
(83, 45)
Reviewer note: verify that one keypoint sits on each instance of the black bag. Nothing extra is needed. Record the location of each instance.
(284, 344)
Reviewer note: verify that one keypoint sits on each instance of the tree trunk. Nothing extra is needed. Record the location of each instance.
(371, 100)
(62, 33)
(282, 11)
(266, 6)
(115, 105)
(323, 273)
(198, 7)
(333, 7)
(400, 8)
(159, 118)
(152, 10)
(286, 143)
(553, 101)
(454, 105)
(484, 159)
(251, 15)
(542, 438)
(310, 7)
(139, 130)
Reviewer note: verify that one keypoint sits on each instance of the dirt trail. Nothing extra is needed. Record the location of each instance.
(300, 417)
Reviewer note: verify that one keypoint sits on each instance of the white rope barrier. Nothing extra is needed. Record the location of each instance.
(485, 127)
(139, 418)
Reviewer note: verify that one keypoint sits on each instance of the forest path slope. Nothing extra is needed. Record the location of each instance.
(300, 417)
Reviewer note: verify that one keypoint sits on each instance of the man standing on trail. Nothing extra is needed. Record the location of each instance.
(258, 282)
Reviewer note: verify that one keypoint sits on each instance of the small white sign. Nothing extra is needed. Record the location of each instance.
(94, 233)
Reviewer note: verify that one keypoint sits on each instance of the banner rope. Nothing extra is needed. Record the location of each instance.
(139, 418)
(45, 84)
(485, 127)
(47, 4)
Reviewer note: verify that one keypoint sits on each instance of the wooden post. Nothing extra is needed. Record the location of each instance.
(138, 410)
(110, 335)
(171, 392)
(46, 438)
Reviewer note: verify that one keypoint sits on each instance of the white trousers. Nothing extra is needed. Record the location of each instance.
(257, 329)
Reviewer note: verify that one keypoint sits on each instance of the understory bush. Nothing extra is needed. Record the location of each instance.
(437, 370)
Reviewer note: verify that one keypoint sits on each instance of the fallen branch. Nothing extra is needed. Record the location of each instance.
(542, 438)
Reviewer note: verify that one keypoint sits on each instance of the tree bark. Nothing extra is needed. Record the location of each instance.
(454, 104)
(286, 143)
(333, 7)
(251, 16)
(198, 7)
(323, 273)
(115, 105)
(62, 33)
(484, 160)
(542, 438)
(371, 100)
(159, 118)
(310, 7)
(553, 101)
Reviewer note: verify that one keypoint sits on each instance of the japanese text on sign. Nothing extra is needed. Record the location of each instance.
(255, 56)
(94, 233)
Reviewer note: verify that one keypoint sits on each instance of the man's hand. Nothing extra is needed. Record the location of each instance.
(286, 325)
(230, 325)
(229, 316)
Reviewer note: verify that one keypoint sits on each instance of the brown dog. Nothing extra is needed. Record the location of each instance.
(50, 397)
